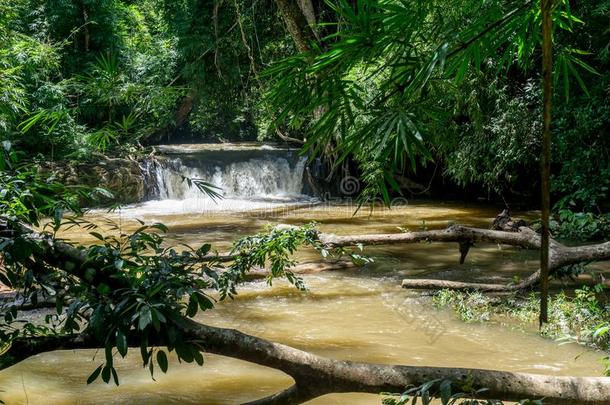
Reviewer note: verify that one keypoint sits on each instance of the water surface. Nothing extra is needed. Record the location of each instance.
(359, 314)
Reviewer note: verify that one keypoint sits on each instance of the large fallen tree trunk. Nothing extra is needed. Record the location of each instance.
(315, 375)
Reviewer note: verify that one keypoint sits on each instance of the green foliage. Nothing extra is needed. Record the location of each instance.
(581, 226)
(270, 249)
(204, 187)
(446, 391)
(148, 290)
(493, 134)
(73, 74)
(580, 318)
(494, 138)
(28, 197)
(583, 181)
(219, 62)
(470, 306)
(601, 333)
(137, 292)
(380, 87)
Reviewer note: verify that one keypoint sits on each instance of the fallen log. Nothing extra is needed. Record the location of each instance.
(315, 375)
(560, 255)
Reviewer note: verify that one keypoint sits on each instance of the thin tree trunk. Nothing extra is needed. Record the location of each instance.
(310, 15)
(545, 161)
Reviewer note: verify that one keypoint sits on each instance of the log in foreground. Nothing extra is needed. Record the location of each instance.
(315, 376)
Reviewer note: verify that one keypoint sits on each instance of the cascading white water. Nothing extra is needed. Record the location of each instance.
(246, 178)
(252, 179)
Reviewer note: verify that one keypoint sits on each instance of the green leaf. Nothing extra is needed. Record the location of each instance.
(162, 360)
(4, 280)
(198, 357)
(144, 352)
(115, 376)
(204, 302)
(106, 374)
(121, 343)
(95, 374)
(191, 310)
(185, 352)
(204, 249)
(445, 389)
(97, 235)
(145, 317)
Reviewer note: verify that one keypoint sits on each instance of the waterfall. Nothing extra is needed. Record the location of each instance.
(244, 178)
(255, 178)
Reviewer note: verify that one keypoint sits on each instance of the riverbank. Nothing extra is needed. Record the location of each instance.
(579, 314)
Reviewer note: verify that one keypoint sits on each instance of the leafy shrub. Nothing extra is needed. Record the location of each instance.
(469, 306)
(580, 226)
(581, 318)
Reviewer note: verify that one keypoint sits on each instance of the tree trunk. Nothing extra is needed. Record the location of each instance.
(559, 255)
(186, 106)
(297, 24)
(309, 12)
(545, 161)
(315, 376)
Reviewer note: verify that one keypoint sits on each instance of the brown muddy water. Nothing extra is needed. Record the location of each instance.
(358, 314)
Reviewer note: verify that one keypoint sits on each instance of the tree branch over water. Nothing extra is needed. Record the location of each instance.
(524, 237)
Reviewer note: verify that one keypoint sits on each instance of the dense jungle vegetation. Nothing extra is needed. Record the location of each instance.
(109, 76)
(447, 94)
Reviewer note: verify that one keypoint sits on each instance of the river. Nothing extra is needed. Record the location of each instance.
(357, 314)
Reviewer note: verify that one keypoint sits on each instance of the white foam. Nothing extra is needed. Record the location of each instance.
(207, 205)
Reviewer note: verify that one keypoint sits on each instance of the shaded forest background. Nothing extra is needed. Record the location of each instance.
(108, 76)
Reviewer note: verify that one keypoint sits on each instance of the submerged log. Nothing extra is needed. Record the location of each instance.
(306, 268)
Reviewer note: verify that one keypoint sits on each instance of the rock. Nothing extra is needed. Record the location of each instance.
(122, 177)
